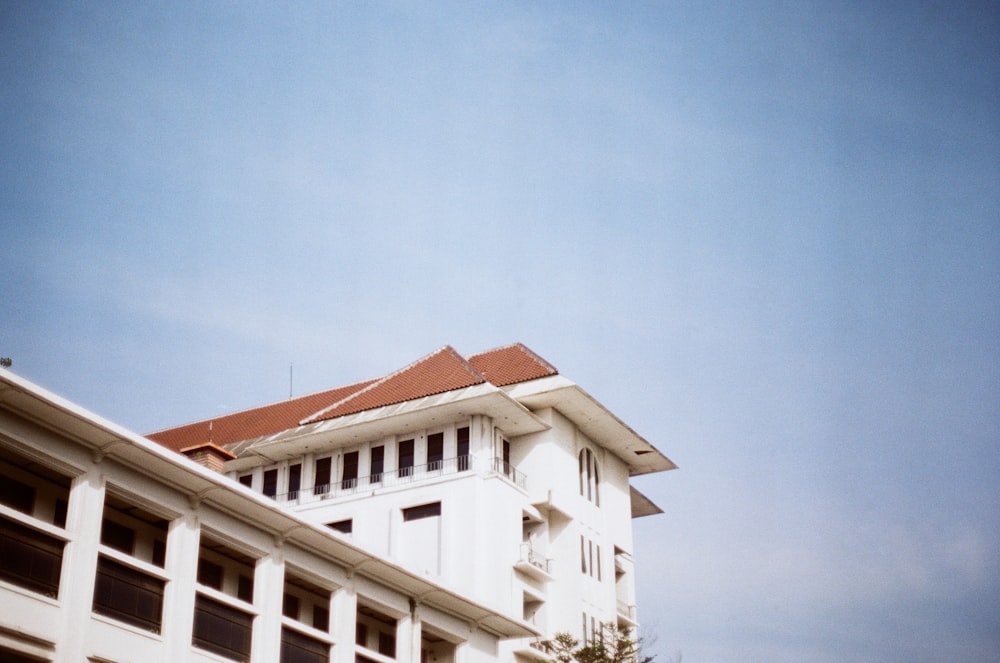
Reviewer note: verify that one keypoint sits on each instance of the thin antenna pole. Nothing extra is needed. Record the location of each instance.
(290, 382)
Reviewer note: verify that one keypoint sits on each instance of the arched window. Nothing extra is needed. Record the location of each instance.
(590, 482)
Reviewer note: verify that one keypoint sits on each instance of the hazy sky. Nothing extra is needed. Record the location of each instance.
(766, 235)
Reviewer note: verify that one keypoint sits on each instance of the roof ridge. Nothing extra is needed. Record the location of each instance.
(262, 407)
(378, 382)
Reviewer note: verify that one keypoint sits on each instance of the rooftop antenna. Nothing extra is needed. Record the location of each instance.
(290, 365)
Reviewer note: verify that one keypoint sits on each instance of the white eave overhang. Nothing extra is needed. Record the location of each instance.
(106, 439)
(511, 417)
(596, 421)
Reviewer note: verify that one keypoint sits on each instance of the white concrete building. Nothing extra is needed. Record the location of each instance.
(493, 476)
(114, 549)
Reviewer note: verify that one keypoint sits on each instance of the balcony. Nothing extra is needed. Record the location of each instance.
(626, 614)
(403, 477)
(533, 563)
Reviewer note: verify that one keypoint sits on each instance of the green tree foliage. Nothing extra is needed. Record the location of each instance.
(612, 644)
(6, 362)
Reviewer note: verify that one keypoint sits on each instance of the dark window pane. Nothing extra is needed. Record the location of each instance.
(361, 634)
(117, 536)
(59, 515)
(463, 448)
(29, 558)
(435, 451)
(299, 648)
(247, 480)
(406, 458)
(378, 463)
(294, 480)
(322, 474)
(128, 595)
(387, 644)
(210, 574)
(244, 588)
(350, 475)
(221, 629)
(271, 483)
(17, 495)
(290, 606)
(422, 511)
(321, 618)
(159, 552)
(342, 526)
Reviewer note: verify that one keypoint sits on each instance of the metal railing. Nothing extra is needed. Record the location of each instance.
(533, 557)
(401, 477)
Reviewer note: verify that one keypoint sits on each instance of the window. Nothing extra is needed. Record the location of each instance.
(244, 588)
(506, 458)
(406, 458)
(378, 463)
(246, 480)
(349, 478)
(463, 448)
(271, 483)
(294, 480)
(17, 495)
(128, 595)
(435, 451)
(290, 606)
(159, 552)
(387, 644)
(210, 574)
(342, 526)
(299, 648)
(361, 634)
(321, 618)
(117, 536)
(420, 538)
(29, 558)
(221, 629)
(322, 475)
(422, 511)
(598, 547)
(590, 482)
(583, 554)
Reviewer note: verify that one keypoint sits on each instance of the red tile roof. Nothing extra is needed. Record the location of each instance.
(438, 372)
(511, 364)
(444, 370)
(253, 423)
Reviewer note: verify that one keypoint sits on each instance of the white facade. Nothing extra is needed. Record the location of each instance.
(115, 549)
(517, 496)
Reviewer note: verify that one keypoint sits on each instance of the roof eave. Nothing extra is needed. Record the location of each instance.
(399, 419)
(595, 420)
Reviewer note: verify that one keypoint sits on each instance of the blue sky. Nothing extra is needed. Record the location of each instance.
(764, 234)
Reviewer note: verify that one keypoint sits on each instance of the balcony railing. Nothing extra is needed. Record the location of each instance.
(404, 476)
(533, 557)
(626, 609)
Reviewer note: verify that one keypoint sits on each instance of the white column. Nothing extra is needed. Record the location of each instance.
(183, 541)
(268, 597)
(79, 567)
(408, 636)
(344, 615)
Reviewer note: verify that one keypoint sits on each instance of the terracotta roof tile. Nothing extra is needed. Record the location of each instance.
(438, 372)
(253, 423)
(511, 364)
(441, 371)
